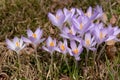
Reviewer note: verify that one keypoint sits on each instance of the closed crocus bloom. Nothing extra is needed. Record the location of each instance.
(34, 38)
(98, 10)
(63, 46)
(114, 32)
(75, 50)
(69, 14)
(15, 45)
(58, 19)
(89, 42)
(50, 45)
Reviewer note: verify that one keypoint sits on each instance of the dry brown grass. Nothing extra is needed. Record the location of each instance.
(18, 15)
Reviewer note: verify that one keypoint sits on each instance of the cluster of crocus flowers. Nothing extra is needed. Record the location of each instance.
(77, 28)
(84, 28)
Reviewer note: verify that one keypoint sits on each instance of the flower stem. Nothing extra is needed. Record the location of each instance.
(95, 54)
(101, 52)
(86, 58)
(19, 63)
(50, 68)
(66, 61)
(37, 61)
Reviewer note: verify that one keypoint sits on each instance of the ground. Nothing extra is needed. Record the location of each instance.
(16, 16)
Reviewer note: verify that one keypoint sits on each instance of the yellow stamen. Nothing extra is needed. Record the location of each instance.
(52, 44)
(70, 31)
(101, 35)
(57, 17)
(81, 26)
(88, 14)
(87, 42)
(17, 44)
(62, 47)
(75, 51)
(34, 35)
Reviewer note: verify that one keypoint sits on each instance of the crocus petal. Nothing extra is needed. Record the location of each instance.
(93, 49)
(10, 44)
(15, 39)
(37, 31)
(48, 41)
(46, 49)
(21, 42)
(52, 18)
(89, 12)
(70, 52)
(80, 12)
(41, 40)
(29, 33)
(73, 45)
(26, 40)
(64, 36)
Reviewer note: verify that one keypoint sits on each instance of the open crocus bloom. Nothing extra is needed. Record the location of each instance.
(101, 34)
(57, 19)
(89, 42)
(63, 46)
(15, 45)
(82, 24)
(75, 50)
(34, 38)
(68, 33)
(50, 45)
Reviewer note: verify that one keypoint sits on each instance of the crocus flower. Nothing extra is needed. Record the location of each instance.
(68, 33)
(15, 45)
(75, 50)
(34, 38)
(113, 36)
(69, 14)
(101, 35)
(82, 24)
(58, 19)
(89, 42)
(50, 45)
(98, 10)
(63, 46)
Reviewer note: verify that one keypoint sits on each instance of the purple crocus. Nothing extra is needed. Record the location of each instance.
(15, 45)
(101, 35)
(50, 45)
(34, 38)
(82, 24)
(75, 50)
(69, 14)
(113, 36)
(98, 10)
(68, 33)
(58, 19)
(63, 46)
(89, 42)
